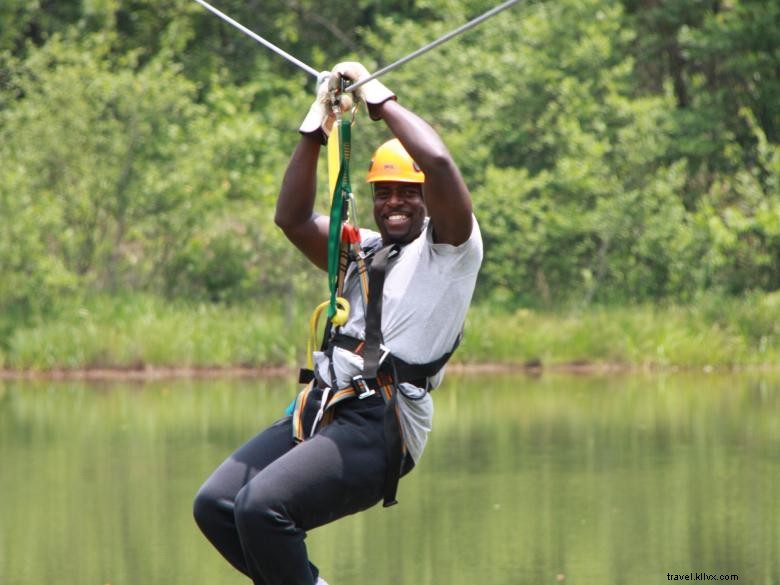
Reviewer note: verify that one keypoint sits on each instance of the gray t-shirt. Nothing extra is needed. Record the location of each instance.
(427, 292)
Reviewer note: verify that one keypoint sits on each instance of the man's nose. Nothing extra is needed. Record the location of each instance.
(395, 197)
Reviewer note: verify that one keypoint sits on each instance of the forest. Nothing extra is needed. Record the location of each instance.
(620, 153)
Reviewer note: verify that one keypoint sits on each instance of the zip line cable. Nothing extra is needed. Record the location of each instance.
(443, 39)
(311, 71)
(259, 39)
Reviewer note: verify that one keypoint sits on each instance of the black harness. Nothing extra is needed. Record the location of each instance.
(379, 364)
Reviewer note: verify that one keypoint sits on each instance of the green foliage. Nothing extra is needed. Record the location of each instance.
(102, 154)
(115, 175)
(617, 152)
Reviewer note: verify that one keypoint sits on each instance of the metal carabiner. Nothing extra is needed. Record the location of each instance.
(337, 86)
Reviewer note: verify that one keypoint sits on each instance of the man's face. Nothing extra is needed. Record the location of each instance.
(399, 211)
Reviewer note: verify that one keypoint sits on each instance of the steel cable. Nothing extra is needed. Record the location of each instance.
(443, 39)
(259, 39)
(311, 71)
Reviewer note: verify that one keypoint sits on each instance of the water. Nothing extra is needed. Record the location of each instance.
(559, 479)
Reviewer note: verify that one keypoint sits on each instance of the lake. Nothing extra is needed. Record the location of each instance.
(608, 480)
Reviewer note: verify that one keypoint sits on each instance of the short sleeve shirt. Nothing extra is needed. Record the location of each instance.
(427, 292)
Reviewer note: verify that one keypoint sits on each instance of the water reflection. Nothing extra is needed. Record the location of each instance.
(558, 479)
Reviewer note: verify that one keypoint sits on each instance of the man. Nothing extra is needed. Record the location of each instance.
(361, 424)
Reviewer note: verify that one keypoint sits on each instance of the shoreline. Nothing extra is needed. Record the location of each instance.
(153, 373)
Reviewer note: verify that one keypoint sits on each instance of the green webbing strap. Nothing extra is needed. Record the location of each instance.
(338, 212)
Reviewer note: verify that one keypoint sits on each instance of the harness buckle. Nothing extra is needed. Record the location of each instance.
(362, 389)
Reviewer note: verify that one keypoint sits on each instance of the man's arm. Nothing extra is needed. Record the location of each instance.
(295, 206)
(446, 196)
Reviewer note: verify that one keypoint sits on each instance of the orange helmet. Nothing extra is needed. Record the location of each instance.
(391, 162)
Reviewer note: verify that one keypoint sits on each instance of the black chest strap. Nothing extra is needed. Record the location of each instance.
(371, 350)
(376, 284)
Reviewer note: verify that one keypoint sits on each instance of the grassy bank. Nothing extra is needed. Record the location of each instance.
(714, 332)
(146, 332)
(142, 332)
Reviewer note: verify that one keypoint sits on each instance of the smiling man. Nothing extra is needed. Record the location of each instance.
(363, 421)
(399, 208)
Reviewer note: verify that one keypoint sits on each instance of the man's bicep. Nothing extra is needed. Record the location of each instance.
(311, 238)
(448, 202)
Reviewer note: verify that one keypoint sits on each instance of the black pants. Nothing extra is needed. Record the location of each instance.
(257, 506)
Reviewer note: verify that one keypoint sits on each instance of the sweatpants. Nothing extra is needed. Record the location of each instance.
(258, 505)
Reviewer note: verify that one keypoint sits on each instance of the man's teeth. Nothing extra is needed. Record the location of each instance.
(396, 217)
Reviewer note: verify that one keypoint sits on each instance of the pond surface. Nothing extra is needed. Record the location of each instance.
(626, 479)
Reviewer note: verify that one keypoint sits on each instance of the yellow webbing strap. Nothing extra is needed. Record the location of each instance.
(340, 318)
(334, 158)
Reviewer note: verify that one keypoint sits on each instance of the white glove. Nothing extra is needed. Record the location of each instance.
(373, 93)
(320, 118)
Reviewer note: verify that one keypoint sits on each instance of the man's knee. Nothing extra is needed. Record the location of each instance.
(203, 508)
(209, 509)
(259, 509)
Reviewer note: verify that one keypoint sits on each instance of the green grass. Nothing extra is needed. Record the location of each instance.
(140, 331)
(714, 331)
(143, 331)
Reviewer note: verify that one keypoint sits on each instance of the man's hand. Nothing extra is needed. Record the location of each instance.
(320, 118)
(373, 93)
